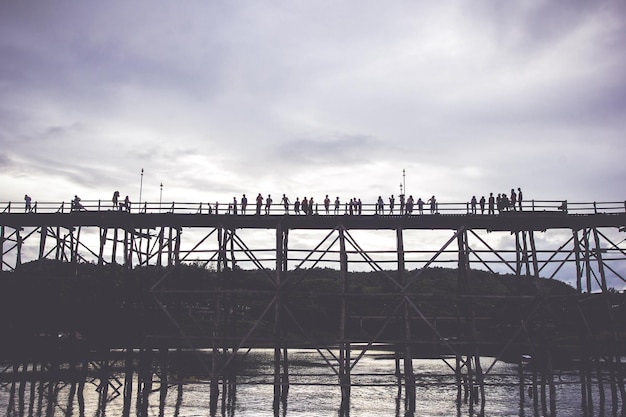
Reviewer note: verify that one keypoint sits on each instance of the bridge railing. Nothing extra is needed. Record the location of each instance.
(463, 208)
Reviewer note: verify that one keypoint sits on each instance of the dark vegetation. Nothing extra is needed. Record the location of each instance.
(47, 303)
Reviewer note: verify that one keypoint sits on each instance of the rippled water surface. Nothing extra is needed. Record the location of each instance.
(313, 392)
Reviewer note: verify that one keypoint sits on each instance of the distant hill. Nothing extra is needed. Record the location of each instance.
(115, 306)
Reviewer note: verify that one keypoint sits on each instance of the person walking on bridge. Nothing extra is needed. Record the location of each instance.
(513, 199)
(259, 204)
(27, 206)
(268, 204)
(116, 196)
(305, 206)
(244, 204)
(296, 206)
(433, 204)
(285, 201)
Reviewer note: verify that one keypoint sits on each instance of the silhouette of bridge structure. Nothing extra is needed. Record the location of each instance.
(581, 243)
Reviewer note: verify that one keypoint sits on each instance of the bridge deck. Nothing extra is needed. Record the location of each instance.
(507, 221)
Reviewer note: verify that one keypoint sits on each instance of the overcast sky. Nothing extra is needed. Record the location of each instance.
(218, 98)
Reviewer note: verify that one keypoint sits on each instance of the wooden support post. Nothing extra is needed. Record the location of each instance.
(409, 376)
(114, 249)
(103, 239)
(279, 250)
(233, 261)
(170, 254)
(18, 254)
(72, 245)
(43, 233)
(215, 354)
(579, 265)
(160, 248)
(127, 248)
(1, 247)
(598, 253)
(164, 383)
(285, 375)
(344, 345)
(177, 246)
(59, 247)
(128, 381)
(587, 259)
(221, 251)
(531, 237)
(459, 379)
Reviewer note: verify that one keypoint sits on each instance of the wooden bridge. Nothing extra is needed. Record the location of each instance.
(580, 243)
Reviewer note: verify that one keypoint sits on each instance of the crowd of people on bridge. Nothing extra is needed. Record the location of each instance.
(308, 206)
(405, 206)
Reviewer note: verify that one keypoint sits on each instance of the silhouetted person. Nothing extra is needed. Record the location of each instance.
(359, 206)
(380, 205)
(259, 204)
(513, 199)
(433, 204)
(499, 203)
(401, 196)
(482, 205)
(519, 198)
(351, 207)
(76, 205)
(310, 212)
(392, 202)
(409, 205)
(420, 205)
(327, 204)
(491, 209)
(116, 197)
(285, 201)
(27, 206)
(125, 204)
(337, 205)
(305, 206)
(506, 204)
(244, 204)
(473, 204)
(268, 204)
(235, 206)
(296, 206)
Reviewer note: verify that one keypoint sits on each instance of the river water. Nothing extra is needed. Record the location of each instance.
(313, 392)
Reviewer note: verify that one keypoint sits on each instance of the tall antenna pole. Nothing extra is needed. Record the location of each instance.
(140, 188)
(160, 197)
(403, 180)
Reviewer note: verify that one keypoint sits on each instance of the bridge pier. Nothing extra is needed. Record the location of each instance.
(409, 376)
(344, 344)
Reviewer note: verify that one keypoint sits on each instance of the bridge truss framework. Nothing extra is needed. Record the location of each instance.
(586, 249)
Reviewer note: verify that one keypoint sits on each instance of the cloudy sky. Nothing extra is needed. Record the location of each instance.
(218, 98)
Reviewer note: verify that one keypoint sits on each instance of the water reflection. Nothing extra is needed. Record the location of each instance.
(147, 383)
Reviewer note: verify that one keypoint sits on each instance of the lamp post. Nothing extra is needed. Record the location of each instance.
(160, 197)
(140, 188)
(403, 180)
